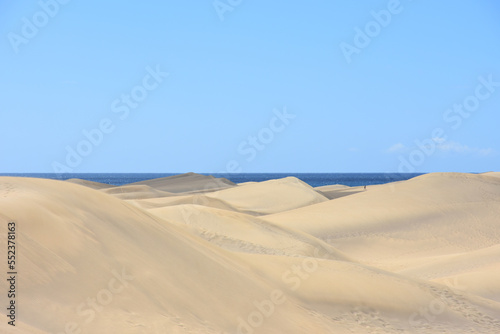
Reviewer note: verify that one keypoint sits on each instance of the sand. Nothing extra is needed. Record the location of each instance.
(196, 254)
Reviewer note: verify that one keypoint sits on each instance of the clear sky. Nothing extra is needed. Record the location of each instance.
(250, 86)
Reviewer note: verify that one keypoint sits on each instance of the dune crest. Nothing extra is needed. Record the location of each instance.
(188, 182)
(284, 194)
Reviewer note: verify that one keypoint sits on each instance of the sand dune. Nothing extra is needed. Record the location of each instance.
(337, 191)
(384, 301)
(78, 243)
(189, 182)
(254, 198)
(284, 194)
(493, 174)
(136, 192)
(397, 226)
(239, 232)
(90, 184)
(196, 199)
(420, 256)
(475, 272)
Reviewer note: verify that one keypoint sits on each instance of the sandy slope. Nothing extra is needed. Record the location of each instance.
(252, 198)
(270, 196)
(189, 182)
(90, 184)
(136, 192)
(338, 190)
(74, 241)
(420, 256)
(240, 232)
(493, 174)
(405, 224)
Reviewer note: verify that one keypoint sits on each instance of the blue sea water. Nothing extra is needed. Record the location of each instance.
(313, 179)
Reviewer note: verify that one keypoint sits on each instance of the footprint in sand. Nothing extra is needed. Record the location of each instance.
(6, 189)
(456, 302)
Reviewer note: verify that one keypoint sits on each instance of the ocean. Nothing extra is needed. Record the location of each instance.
(313, 179)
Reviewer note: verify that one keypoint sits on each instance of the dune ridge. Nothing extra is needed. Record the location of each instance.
(188, 182)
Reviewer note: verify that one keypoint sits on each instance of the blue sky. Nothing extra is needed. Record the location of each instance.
(249, 86)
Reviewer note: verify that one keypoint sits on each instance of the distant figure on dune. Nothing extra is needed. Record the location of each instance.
(365, 187)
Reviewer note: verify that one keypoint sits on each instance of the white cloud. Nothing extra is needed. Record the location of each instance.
(438, 140)
(444, 146)
(486, 152)
(399, 147)
(455, 147)
(452, 146)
